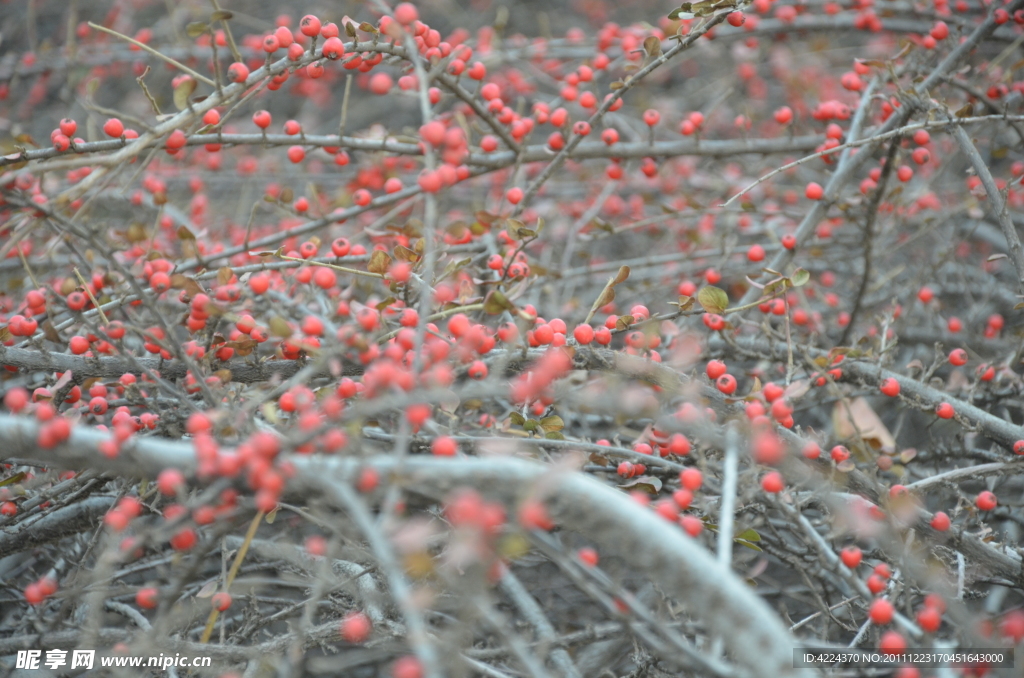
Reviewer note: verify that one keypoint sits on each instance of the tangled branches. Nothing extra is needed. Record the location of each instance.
(324, 354)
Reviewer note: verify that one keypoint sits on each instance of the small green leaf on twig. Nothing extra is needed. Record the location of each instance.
(496, 302)
(712, 299)
(195, 29)
(799, 277)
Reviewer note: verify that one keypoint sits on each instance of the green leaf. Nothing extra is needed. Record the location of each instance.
(552, 423)
(713, 299)
(531, 425)
(496, 302)
(195, 29)
(748, 535)
(774, 287)
(554, 435)
(517, 419)
(16, 478)
(183, 91)
(799, 277)
(221, 15)
(741, 542)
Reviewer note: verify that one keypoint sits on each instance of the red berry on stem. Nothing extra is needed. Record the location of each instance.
(986, 501)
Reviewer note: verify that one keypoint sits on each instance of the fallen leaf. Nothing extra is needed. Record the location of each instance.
(856, 420)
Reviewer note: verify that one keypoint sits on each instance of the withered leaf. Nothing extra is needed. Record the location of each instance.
(50, 332)
(243, 347)
(496, 302)
(183, 282)
(403, 253)
(855, 419)
(485, 217)
(379, 262)
(182, 92)
(649, 484)
(279, 327)
(552, 423)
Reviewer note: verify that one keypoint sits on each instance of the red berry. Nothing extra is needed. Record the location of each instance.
(892, 643)
(356, 627)
(986, 501)
(811, 450)
(945, 411)
(890, 387)
(940, 521)
(170, 481)
(584, 334)
(678, 444)
(221, 601)
(715, 369)
(34, 594)
(113, 127)
(588, 556)
(147, 598)
(407, 667)
(78, 345)
(929, 619)
(238, 72)
(772, 482)
(814, 191)
(726, 384)
(443, 446)
(406, 13)
(310, 25)
(840, 453)
(958, 357)
(881, 611)
(851, 556)
(691, 479)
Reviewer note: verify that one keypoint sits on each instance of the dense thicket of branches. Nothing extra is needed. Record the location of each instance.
(505, 339)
